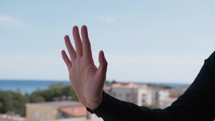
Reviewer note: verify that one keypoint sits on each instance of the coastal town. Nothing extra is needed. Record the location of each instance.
(148, 95)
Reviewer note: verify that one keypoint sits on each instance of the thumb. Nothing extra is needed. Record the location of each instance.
(102, 69)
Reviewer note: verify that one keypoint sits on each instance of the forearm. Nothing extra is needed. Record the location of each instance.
(197, 103)
(112, 109)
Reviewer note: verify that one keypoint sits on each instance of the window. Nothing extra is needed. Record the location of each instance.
(36, 114)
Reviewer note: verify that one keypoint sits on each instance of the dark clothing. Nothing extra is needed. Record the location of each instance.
(196, 104)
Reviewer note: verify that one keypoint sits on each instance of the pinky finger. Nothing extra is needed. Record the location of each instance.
(66, 59)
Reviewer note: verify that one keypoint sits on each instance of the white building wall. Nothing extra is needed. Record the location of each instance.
(142, 97)
(136, 95)
(125, 94)
(154, 95)
(151, 97)
(164, 94)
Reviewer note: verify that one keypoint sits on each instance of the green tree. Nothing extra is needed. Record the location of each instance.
(12, 102)
(54, 92)
(35, 97)
(15, 101)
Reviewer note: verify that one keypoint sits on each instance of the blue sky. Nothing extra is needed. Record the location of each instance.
(144, 41)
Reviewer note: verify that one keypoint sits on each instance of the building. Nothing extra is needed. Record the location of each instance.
(54, 110)
(171, 96)
(178, 91)
(163, 103)
(140, 94)
(156, 94)
(130, 92)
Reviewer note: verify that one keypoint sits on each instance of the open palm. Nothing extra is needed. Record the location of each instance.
(86, 79)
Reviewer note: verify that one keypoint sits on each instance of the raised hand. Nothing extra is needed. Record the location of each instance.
(87, 80)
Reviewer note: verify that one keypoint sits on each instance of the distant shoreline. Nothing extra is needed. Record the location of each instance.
(139, 82)
(166, 84)
(29, 86)
(31, 80)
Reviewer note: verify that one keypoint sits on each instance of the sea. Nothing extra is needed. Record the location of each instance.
(29, 86)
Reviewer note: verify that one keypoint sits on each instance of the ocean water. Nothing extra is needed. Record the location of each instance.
(173, 85)
(28, 86)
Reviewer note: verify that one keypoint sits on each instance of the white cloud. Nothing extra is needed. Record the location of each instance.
(107, 19)
(12, 22)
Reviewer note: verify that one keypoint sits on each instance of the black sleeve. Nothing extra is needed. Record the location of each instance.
(198, 101)
(196, 104)
(112, 109)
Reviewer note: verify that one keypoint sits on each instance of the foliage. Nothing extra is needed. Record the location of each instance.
(56, 92)
(109, 83)
(15, 101)
(12, 102)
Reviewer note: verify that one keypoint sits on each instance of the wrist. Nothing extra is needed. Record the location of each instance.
(94, 103)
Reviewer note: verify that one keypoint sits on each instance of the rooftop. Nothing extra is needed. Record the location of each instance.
(56, 104)
(127, 85)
